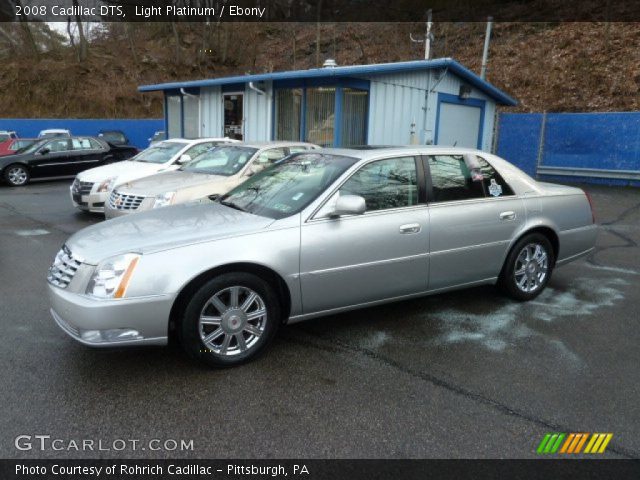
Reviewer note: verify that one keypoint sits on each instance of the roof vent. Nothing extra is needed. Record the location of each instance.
(329, 63)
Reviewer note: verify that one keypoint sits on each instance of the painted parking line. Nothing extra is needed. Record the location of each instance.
(32, 233)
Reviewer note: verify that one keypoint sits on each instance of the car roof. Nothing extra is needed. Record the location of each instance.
(192, 141)
(276, 143)
(385, 151)
(54, 130)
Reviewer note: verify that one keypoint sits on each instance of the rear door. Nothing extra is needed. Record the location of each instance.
(473, 215)
(87, 153)
(378, 255)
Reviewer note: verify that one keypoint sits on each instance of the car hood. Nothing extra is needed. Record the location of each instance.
(123, 170)
(162, 229)
(169, 182)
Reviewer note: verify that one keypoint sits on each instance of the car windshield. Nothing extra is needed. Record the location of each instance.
(33, 147)
(53, 134)
(225, 161)
(160, 153)
(289, 186)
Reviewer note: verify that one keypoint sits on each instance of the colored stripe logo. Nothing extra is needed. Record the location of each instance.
(574, 443)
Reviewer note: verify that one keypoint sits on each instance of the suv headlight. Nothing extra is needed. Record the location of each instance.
(112, 276)
(164, 199)
(106, 185)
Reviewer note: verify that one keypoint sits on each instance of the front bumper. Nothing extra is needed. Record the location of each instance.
(108, 323)
(93, 202)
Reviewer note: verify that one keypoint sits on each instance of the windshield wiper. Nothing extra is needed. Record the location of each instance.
(232, 205)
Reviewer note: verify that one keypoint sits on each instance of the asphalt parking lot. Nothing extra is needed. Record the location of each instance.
(465, 374)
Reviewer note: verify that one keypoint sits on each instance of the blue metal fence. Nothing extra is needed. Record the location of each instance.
(137, 130)
(588, 147)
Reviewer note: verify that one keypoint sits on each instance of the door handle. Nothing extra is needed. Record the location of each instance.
(410, 228)
(510, 215)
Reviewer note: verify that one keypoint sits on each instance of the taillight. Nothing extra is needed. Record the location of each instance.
(593, 214)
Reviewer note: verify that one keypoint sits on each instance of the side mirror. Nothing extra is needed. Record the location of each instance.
(44, 151)
(349, 205)
(184, 159)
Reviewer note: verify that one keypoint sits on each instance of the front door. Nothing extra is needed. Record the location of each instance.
(52, 159)
(233, 115)
(378, 255)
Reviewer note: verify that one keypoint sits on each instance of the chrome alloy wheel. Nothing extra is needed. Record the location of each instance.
(17, 175)
(532, 266)
(232, 321)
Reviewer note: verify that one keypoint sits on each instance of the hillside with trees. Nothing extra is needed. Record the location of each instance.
(93, 70)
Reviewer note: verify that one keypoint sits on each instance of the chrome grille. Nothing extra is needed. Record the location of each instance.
(64, 267)
(83, 188)
(123, 201)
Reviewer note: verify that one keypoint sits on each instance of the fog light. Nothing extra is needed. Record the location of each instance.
(109, 336)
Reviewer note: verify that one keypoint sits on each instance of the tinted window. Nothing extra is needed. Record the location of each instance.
(114, 137)
(452, 179)
(384, 184)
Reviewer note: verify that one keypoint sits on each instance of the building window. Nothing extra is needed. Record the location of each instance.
(354, 113)
(233, 115)
(173, 116)
(191, 105)
(320, 115)
(288, 114)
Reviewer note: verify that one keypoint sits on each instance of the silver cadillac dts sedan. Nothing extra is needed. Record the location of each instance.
(317, 233)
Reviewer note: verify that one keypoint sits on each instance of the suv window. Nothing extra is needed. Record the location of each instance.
(453, 180)
(384, 184)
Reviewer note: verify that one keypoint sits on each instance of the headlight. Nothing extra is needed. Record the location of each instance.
(164, 199)
(106, 185)
(111, 277)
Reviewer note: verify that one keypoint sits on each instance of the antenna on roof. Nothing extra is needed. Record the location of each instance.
(428, 38)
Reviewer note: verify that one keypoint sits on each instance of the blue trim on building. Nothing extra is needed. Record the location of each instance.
(357, 71)
(469, 102)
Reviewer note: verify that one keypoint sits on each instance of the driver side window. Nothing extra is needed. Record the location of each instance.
(385, 184)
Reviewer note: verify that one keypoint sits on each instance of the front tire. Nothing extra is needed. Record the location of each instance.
(230, 320)
(16, 175)
(528, 267)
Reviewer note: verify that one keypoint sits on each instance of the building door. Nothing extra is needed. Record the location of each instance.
(233, 115)
(459, 122)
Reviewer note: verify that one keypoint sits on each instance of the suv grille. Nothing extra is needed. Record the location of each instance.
(63, 269)
(83, 188)
(122, 201)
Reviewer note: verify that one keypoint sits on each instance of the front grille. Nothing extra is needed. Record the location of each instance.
(123, 201)
(82, 188)
(63, 269)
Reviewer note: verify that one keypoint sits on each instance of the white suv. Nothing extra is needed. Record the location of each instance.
(91, 188)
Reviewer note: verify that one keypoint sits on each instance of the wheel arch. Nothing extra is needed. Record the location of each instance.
(266, 273)
(545, 230)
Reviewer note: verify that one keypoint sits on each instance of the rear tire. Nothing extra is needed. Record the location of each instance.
(230, 320)
(528, 267)
(16, 175)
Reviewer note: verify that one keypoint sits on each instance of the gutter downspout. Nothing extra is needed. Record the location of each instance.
(256, 89)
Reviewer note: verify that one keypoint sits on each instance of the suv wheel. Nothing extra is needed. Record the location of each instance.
(528, 267)
(16, 175)
(230, 320)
